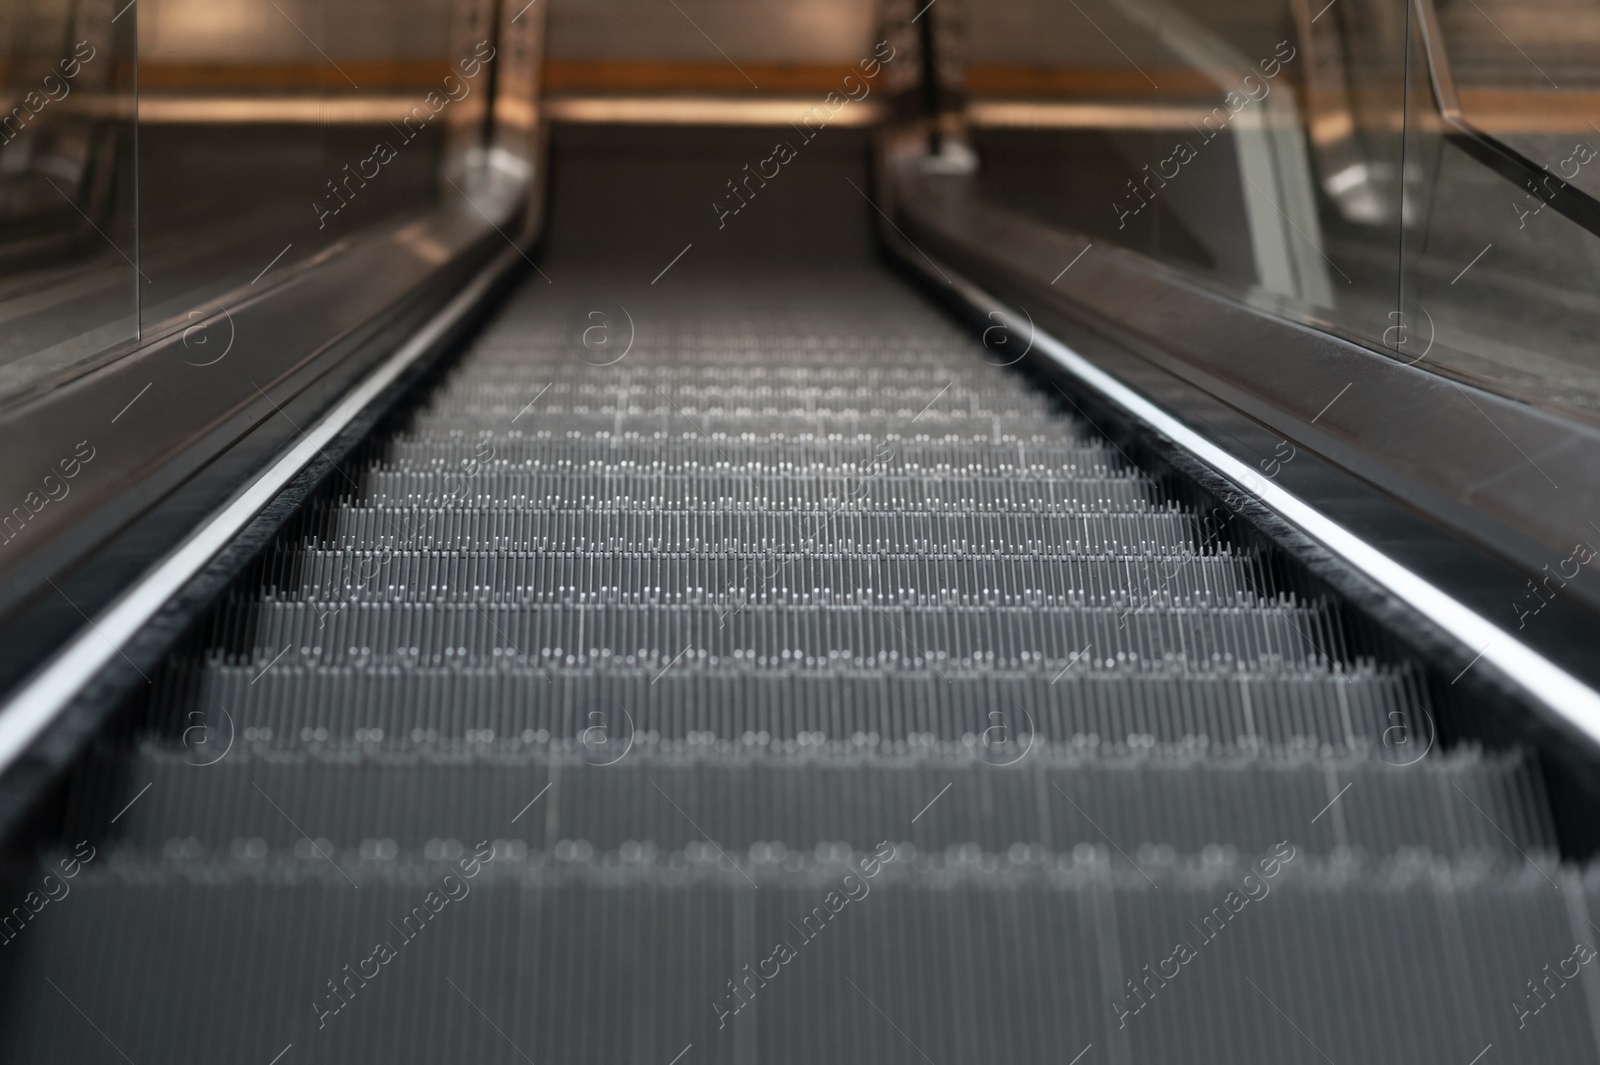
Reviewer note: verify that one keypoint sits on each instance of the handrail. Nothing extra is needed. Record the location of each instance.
(166, 445)
(1405, 499)
(1570, 201)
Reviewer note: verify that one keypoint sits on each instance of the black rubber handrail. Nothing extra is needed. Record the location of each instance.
(1492, 152)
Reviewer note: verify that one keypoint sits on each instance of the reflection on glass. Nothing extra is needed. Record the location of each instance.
(271, 131)
(1295, 153)
(1257, 143)
(264, 133)
(68, 274)
(1502, 276)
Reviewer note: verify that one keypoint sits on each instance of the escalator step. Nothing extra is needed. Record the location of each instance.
(606, 958)
(741, 796)
(289, 703)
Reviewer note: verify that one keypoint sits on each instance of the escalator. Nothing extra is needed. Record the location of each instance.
(754, 636)
(790, 678)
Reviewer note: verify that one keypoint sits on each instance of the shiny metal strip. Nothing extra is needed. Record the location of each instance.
(1567, 697)
(49, 691)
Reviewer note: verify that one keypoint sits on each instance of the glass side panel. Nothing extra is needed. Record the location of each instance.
(1502, 287)
(161, 160)
(68, 254)
(271, 131)
(1256, 144)
(1295, 153)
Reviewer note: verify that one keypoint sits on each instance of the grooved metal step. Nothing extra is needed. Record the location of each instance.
(611, 957)
(788, 615)
(935, 796)
(1165, 703)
